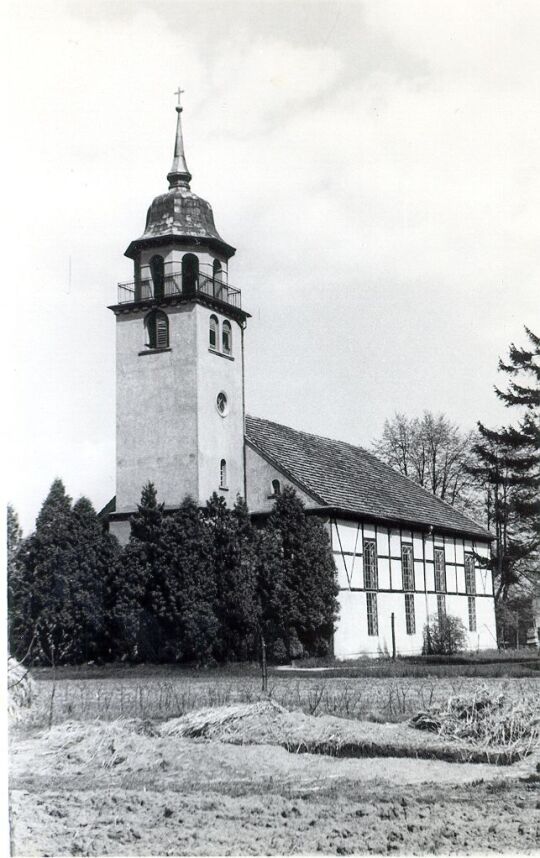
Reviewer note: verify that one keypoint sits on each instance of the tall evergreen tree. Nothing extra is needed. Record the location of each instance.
(14, 540)
(508, 466)
(309, 588)
(43, 620)
(135, 629)
(231, 539)
(183, 591)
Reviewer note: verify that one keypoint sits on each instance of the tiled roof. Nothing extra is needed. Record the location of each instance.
(350, 479)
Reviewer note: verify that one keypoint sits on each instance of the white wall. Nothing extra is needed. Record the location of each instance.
(351, 637)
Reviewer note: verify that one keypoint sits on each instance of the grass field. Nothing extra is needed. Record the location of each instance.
(158, 693)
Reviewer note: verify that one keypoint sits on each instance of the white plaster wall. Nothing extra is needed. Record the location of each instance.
(219, 437)
(351, 638)
(156, 410)
(259, 476)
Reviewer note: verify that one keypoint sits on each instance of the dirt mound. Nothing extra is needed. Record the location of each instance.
(247, 722)
(21, 691)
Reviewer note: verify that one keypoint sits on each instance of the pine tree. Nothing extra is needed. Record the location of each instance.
(231, 538)
(135, 629)
(183, 592)
(507, 465)
(14, 540)
(309, 587)
(42, 606)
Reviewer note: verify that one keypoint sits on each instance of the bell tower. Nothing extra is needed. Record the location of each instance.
(179, 356)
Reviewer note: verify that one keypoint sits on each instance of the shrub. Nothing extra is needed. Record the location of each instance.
(444, 635)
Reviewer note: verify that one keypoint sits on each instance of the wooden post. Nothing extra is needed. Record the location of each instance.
(264, 667)
(392, 619)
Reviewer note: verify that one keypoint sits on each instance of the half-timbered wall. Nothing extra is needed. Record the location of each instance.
(435, 578)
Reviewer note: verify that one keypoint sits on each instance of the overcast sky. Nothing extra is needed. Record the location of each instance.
(374, 163)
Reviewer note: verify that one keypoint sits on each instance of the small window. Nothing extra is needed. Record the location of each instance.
(470, 575)
(441, 606)
(370, 565)
(223, 474)
(276, 488)
(157, 330)
(440, 570)
(472, 613)
(407, 567)
(226, 337)
(213, 332)
(222, 403)
(372, 618)
(410, 619)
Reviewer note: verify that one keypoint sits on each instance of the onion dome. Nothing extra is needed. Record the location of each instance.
(180, 214)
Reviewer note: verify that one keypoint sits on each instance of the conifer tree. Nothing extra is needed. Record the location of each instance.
(309, 588)
(135, 629)
(230, 533)
(14, 540)
(183, 591)
(42, 607)
(507, 465)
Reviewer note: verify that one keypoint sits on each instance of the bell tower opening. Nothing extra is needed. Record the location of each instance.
(157, 270)
(190, 274)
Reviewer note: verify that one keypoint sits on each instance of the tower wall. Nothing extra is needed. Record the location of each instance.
(156, 407)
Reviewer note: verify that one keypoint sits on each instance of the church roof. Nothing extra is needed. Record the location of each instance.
(349, 479)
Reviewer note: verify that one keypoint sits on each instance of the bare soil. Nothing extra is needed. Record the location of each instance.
(126, 788)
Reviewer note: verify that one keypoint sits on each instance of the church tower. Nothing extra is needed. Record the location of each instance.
(179, 357)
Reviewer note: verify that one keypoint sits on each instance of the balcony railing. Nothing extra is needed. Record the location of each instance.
(174, 284)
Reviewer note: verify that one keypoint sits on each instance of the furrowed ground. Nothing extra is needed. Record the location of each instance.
(135, 783)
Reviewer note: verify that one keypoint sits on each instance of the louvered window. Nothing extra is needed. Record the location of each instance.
(372, 618)
(410, 619)
(470, 575)
(440, 571)
(213, 332)
(407, 566)
(226, 337)
(370, 565)
(157, 327)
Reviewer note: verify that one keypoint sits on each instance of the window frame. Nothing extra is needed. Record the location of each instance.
(372, 613)
(471, 610)
(158, 339)
(469, 566)
(410, 614)
(441, 605)
(226, 333)
(370, 565)
(407, 548)
(439, 574)
(213, 328)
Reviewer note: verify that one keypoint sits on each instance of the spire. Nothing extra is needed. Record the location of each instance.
(179, 177)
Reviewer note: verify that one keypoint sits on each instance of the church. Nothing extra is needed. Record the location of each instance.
(401, 554)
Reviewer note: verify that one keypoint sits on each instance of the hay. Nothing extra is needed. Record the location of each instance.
(21, 691)
(225, 722)
(485, 720)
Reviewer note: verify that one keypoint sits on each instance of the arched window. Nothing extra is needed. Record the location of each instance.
(190, 274)
(276, 488)
(157, 270)
(223, 474)
(213, 333)
(226, 337)
(217, 278)
(157, 329)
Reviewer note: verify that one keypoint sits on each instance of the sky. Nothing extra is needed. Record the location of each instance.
(374, 163)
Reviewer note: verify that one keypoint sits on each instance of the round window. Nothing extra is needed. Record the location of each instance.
(222, 403)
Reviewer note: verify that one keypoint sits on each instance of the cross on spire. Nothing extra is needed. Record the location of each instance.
(179, 92)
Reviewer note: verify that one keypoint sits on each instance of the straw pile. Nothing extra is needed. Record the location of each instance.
(228, 722)
(485, 720)
(21, 691)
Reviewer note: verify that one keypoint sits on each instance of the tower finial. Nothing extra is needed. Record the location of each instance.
(179, 176)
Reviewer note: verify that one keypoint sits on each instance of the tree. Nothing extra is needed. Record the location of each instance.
(135, 628)
(231, 536)
(14, 540)
(506, 466)
(433, 452)
(444, 635)
(183, 591)
(308, 586)
(42, 607)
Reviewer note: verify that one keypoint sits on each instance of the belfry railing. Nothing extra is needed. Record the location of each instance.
(174, 284)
